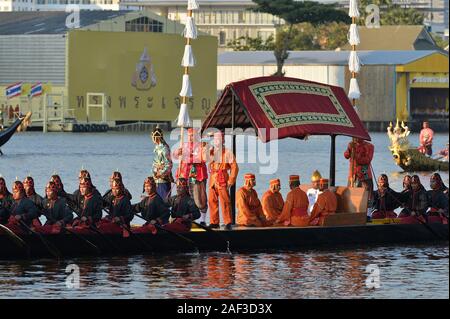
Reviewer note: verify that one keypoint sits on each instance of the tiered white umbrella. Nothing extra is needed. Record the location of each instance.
(354, 66)
(188, 61)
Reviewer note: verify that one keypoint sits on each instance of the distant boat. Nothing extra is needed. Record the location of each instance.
(411, 160)
(407, 157)
(6, 135)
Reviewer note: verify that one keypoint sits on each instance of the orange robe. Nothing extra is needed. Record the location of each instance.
(223, 174)
(272, 204)
(295, 210)
(325, 205)
(250, 208)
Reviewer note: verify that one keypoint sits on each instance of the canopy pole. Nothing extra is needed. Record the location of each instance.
(233, 136)
(333, 161)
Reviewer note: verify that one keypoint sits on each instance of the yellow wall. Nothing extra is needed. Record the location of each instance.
(105, 62)
(437, 62)
(428, 80)
(434, 67)
(402, 97)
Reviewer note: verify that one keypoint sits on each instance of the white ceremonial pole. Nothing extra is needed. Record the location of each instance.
(354, 66)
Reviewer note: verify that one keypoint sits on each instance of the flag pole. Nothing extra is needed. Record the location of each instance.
(188, 61)
(354, 66)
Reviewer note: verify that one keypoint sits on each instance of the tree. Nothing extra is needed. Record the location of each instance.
(391, 14)
(440, 42)
(332, 35)
(397, 15)
(304, 37)
(252, 44)
(294, 12)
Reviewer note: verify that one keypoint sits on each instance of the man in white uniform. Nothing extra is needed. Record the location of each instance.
(313, 192)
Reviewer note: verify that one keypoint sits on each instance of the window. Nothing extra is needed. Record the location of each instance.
(144, 24)
(264, 35)
(222, 38)
(241, 18)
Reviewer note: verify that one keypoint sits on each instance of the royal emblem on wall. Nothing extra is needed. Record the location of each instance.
(144, 77)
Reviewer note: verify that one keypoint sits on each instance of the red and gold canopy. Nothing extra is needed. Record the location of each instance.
(297, 108)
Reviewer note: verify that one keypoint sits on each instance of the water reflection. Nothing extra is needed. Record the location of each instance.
(410, 272)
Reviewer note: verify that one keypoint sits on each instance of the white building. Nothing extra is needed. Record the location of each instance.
(436, 13)
(226, 19)
(57, 5)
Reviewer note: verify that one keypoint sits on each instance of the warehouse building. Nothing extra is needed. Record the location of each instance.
(409, 85)
(114, 67)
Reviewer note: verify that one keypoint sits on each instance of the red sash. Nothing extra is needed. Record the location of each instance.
(299, 212)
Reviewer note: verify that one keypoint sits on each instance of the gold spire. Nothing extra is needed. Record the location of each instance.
(316, 176)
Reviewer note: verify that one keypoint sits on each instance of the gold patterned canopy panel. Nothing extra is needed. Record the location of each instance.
(293, 107)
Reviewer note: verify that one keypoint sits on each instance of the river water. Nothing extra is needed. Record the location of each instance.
(409, 271)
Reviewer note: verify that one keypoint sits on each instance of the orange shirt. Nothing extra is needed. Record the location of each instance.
(326, 205)
(295, 210)
(223, 172)
(249, 207)
(272, 204)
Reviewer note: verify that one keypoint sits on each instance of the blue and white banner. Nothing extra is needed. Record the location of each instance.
(36, 90)
(14, 90)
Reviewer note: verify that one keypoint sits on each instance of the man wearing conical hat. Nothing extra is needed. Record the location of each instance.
(92, 210)
(108, 197)
(325, 205)
(437, 197)
(6, 201)
(152, 207)
(182, 209)
(76, 199)
(295, 210)
(162, 164)
(120, 211)
(55, 208)
(272, 201)
(30, 191)
(250, 211)
(59, 185)
(314, 191)
(22, 208)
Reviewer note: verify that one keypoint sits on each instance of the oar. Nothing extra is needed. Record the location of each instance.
(50, 247)
(124, 226)
(102, 236)
(222, 237)
(16, 239)
(133, 235)
(184, 238)
(88, 242)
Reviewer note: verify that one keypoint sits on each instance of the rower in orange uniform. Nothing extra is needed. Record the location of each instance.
(223, 174)
(325, 205)
(295, 210)
(250, 211)
(272, 201)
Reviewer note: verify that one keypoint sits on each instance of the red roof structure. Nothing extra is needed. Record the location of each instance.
(297, 108)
